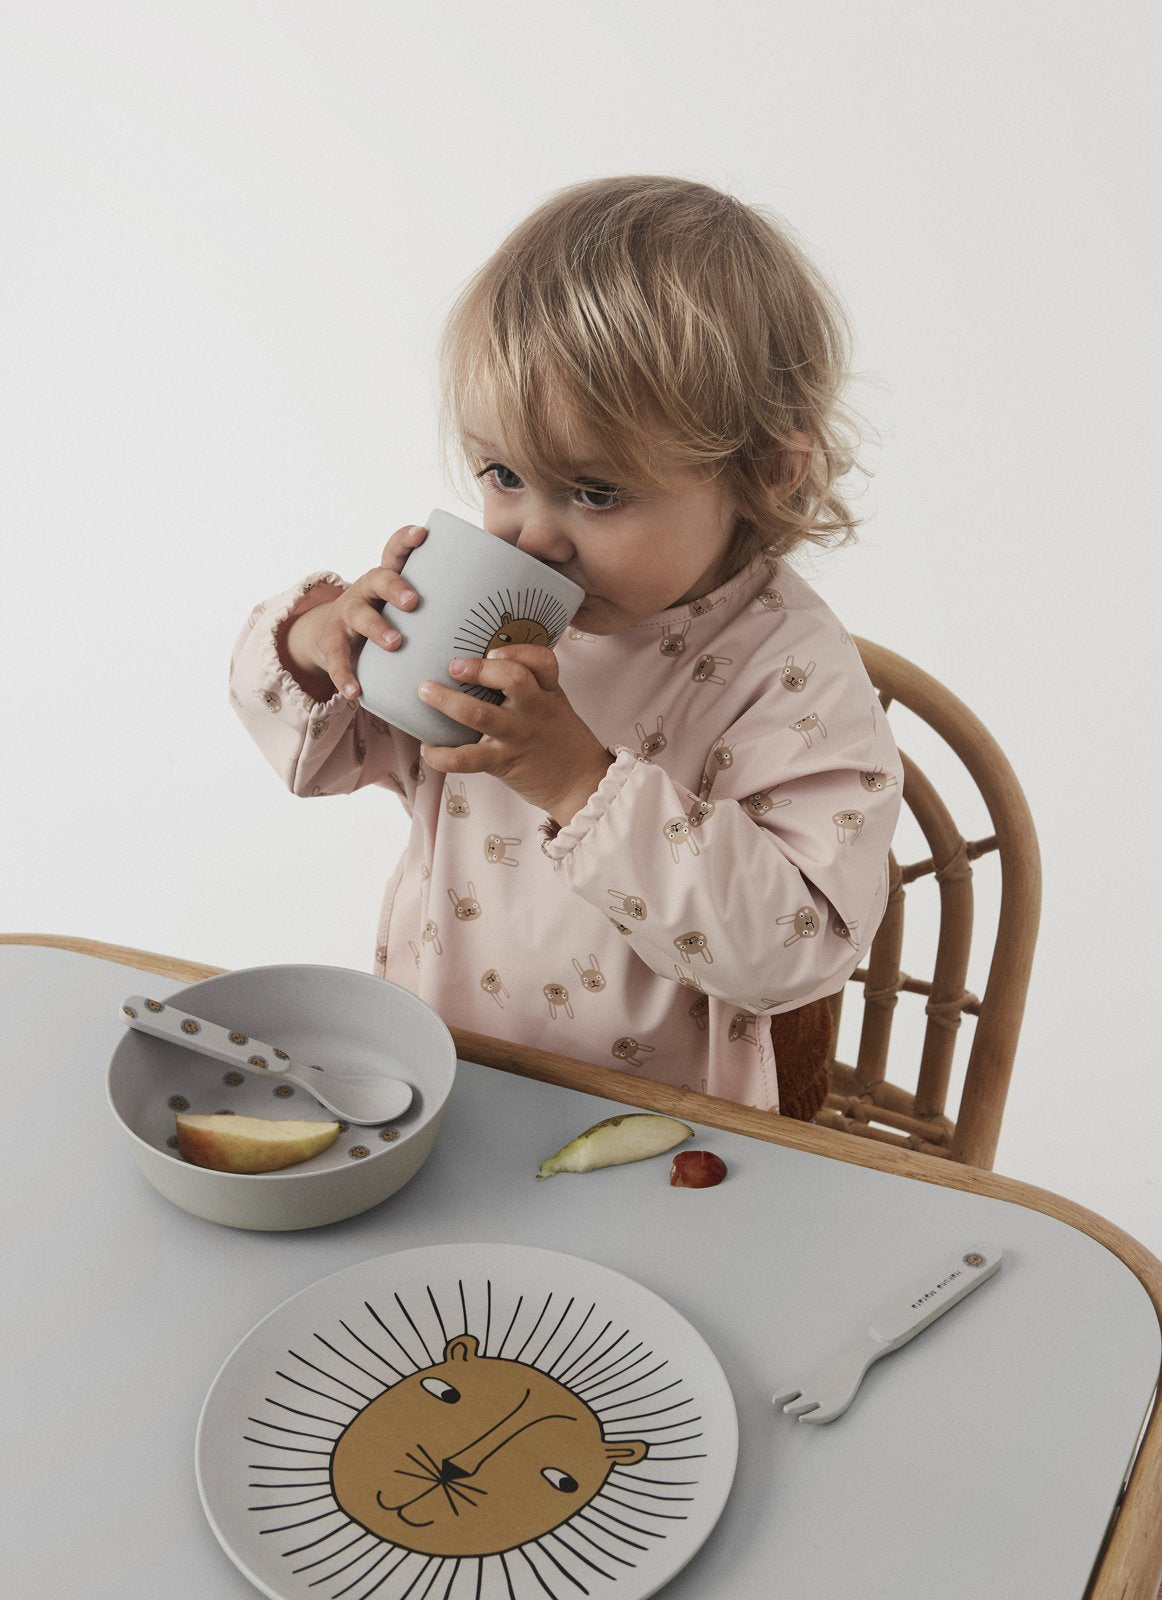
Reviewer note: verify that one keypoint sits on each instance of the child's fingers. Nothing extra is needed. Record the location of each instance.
(509, 677)
(401, 544)
(362, 620)
(336, 663)
(343, 636)
(457, 758)
(479, 715)
(536, 658)
(385, 586)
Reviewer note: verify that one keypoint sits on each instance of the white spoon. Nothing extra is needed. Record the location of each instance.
(364, 1098)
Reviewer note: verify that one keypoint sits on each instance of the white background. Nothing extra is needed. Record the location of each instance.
(231, 232)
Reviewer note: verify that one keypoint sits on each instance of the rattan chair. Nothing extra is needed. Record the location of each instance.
(861, 1099)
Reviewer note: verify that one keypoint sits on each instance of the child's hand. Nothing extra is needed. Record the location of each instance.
(535, 742)
(318, 645)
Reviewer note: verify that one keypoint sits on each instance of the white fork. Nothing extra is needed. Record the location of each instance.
(827, 1392)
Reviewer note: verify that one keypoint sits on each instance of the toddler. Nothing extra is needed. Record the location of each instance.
(676, 825)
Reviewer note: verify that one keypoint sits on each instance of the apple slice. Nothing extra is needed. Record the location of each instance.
(228, 1143)
(611, 1143)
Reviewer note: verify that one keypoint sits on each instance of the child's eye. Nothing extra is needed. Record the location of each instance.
(591, 496)
(598, 496)
(502, 477)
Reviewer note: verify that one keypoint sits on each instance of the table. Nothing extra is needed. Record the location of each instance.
(1011, 1449)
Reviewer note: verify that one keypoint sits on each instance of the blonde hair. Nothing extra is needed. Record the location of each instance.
(664, 315)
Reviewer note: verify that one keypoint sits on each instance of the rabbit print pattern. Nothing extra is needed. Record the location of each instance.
(731, 863)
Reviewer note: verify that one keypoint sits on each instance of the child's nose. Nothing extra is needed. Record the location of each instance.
(543, 535)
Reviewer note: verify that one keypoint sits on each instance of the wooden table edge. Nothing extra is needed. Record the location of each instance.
(1129, 1566)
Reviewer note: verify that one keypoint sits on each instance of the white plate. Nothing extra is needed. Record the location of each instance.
(467, 1422)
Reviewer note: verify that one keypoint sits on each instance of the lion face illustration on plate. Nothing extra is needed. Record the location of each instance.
(472, 1456)
(468, 1422)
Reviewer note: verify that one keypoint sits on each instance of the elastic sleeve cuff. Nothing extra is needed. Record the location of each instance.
(293, 604)
(562, 843)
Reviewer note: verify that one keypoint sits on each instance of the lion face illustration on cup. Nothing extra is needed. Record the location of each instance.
(518, 630)
(478, 593)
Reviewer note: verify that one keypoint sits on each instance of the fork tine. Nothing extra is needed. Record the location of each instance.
(790, 1391)
(826, 1414)
(800, 1407)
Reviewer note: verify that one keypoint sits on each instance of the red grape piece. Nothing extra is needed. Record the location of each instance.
(697, 1169)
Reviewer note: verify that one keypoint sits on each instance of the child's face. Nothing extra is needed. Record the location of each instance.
(635, 551)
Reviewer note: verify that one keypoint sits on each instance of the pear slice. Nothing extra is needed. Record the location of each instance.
(632, 1137)
(228, 1143)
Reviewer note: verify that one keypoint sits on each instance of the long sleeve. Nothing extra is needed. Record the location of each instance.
(708, 888)
(765, 885)
(317, 748)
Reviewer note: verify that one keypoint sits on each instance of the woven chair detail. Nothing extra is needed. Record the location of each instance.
(862, 1100)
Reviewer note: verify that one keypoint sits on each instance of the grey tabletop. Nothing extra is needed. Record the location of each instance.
(984, 1458)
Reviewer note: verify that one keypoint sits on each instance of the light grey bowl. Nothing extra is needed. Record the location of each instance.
(330, 1013)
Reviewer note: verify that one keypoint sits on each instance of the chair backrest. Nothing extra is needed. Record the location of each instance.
(861, 1099)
